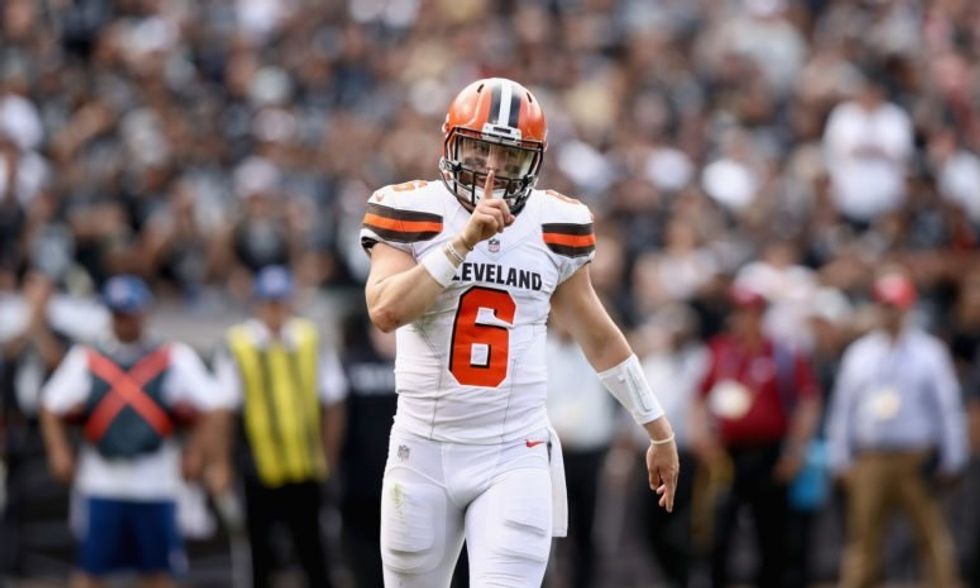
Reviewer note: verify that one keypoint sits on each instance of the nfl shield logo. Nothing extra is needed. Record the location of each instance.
(403, 452)
(494, 245)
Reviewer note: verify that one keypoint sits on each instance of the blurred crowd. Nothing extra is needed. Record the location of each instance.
(793, 147)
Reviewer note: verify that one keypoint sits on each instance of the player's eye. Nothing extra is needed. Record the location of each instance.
(474, 161)
(474, 153)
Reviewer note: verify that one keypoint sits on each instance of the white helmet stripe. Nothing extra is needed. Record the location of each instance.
(503, 115)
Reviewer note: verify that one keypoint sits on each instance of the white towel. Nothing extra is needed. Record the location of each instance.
(559, 494)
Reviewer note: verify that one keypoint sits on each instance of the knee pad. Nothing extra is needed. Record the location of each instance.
(413, 524)
(524, 538)
(525, 519)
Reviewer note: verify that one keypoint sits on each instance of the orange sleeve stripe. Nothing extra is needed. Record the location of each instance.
(401, 226)
(569, 240)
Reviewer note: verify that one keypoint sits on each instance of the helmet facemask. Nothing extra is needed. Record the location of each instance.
(469, 155)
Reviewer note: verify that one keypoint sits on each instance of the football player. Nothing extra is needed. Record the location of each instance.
(467, 269)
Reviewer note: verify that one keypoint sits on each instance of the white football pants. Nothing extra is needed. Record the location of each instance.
(496, 496)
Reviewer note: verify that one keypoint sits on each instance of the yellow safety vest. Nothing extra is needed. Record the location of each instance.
(281, 412)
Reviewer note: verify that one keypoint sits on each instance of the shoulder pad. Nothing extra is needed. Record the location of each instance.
(404, 213)
(566, 226)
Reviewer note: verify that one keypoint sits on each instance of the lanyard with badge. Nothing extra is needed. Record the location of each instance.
(885, 402)
(730, 398)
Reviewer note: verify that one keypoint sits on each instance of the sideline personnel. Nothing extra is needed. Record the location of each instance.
(897, 423)
(289, 394)
(130, 393)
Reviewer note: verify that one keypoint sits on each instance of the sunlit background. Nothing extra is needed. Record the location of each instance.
(794, 146)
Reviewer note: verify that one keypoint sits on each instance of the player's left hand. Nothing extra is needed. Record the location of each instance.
(663, 467)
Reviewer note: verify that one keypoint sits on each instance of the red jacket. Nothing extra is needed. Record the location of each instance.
(774, 378)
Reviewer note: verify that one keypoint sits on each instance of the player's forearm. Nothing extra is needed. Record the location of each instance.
(54, 432)
(659, 429)
(400, 298)
(215, 436)
(51, 350)
(804, 423)
(603, 344)
(620, 372)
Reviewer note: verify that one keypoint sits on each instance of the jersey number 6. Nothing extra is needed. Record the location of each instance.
(479, 351)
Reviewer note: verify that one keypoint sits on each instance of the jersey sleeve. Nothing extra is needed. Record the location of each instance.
(568, 232)
(399, 219)
(190, 381)
(70, 383)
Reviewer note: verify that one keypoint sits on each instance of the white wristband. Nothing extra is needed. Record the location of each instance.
(628, 384)
(439, 267)
(662, 441)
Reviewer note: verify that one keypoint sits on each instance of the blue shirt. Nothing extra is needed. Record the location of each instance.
(897, 395)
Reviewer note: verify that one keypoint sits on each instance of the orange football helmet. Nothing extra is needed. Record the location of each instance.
(494, 126)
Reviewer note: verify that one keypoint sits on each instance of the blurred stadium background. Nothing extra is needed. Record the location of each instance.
(798, 144)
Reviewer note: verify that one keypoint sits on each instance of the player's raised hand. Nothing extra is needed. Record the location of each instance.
(491, 216)
(663, 467)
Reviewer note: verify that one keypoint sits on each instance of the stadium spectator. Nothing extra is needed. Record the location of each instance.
(674, 361)
(130, 393)
(896, 428)
(288, 391)
(27, 360)
(584, 416)
(868, 142)
(118, 118)
(369, 362)
(758, 408)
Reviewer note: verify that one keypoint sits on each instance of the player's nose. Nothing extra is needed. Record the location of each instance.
(494, 157)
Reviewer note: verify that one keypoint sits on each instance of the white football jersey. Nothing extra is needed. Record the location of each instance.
(472, 369)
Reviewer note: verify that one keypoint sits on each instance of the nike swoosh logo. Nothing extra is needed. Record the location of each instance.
(530, 443)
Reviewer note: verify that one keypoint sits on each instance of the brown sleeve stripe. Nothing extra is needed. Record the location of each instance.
(401, 226)
(567, 228)
(403, 215)
(568, 239)
(571, 251)
(403, 234)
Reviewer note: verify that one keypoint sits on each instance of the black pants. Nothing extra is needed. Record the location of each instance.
(799, 526)
(582, 477)
(669, 534)
(362, 536)
(461, 575)
(297, 506)
(755, 487)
